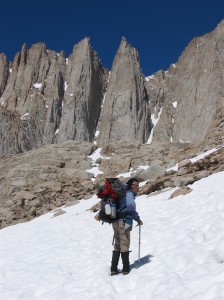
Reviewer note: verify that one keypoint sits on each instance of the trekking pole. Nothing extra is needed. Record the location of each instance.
(139, 243)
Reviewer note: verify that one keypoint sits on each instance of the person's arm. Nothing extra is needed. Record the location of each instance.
(130, 207)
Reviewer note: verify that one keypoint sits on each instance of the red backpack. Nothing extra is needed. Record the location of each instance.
(111, 192)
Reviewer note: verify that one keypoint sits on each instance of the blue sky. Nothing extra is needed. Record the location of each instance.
(159, 30)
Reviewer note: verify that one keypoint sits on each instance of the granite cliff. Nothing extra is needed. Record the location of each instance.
(52, 99)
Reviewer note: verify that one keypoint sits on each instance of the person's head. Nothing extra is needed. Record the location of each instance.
(133, 185)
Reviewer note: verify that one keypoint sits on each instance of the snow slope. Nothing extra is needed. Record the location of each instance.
(68, 257)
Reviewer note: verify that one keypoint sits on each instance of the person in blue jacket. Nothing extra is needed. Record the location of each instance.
(123, 226)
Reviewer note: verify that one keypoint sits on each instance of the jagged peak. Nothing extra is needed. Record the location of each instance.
(83, 44)
(85, 41)
(84, 48)
(126, 47)
(40, 45)
(124, 40)
(220, 28)
(3, 56)
(24, 47)
(124, 43)
(24, 53)
(221, 24)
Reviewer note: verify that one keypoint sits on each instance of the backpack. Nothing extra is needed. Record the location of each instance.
(110, 193)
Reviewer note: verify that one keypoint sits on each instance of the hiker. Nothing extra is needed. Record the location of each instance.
(123, 226)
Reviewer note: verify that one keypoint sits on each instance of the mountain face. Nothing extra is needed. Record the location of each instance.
(46, 98)
(50, 98)
(85, 87)
(56, 111)
(125, 114)
(192, 90)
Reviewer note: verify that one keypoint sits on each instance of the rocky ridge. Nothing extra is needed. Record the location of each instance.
(53, 176)
(53, 99)
(41, 180)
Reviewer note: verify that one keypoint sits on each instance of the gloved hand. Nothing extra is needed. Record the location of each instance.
(140, 222)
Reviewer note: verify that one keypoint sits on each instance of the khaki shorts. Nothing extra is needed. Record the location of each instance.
(121, 237)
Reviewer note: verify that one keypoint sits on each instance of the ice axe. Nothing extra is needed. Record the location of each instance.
(139, 242)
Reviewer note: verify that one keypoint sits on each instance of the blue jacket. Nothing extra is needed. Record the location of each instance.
(127, 205)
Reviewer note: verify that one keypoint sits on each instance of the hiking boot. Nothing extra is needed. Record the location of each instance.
(126, 264)
(114, 263)
(126, 273)
(114, 273)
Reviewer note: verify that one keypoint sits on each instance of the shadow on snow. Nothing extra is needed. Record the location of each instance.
(139, 263)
